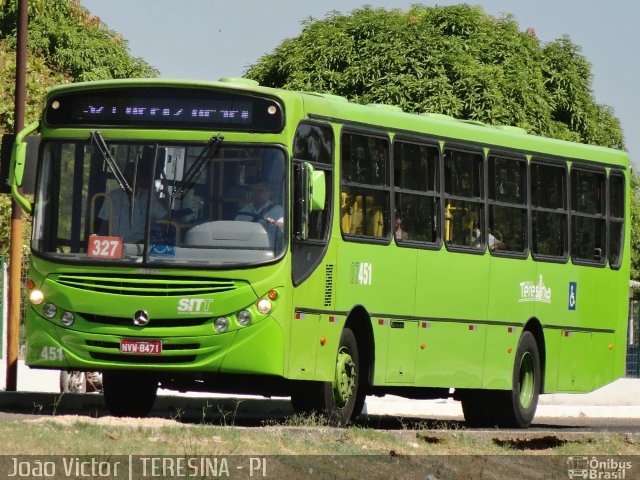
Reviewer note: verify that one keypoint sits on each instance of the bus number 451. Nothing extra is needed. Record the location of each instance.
(51, 353)
(361, 273)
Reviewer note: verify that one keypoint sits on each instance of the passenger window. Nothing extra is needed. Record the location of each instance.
(313, 143)
(507, 205)
(365, 195)
(616, 219)
(415, 218)
(588, 223)
(365, 160)
(549, 214)
(464, 206)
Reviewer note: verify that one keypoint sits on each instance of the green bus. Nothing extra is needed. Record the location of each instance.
(227, 237)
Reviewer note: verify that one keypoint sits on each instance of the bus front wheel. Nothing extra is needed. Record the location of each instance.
(342, 399)
(129, 394)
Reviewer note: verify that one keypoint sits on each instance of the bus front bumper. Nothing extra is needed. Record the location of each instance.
(258, 349)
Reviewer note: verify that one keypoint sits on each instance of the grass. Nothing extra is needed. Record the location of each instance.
(307, 447)
(293, 436)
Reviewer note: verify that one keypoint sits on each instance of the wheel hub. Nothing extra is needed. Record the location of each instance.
(527, 380)
(345, 380)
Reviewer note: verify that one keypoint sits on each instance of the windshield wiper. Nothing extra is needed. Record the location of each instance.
(208, 152)
(101, 145)
(98, 141)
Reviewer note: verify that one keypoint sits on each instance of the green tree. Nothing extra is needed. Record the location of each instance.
(454, 60)
(72, 40)
(66, 43)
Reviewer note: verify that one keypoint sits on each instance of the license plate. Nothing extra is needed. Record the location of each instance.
(141, 347)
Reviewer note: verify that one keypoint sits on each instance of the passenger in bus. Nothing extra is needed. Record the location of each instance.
(261, 207)
(476, 236)
(399, 232)
(114, 215)
(495, 243)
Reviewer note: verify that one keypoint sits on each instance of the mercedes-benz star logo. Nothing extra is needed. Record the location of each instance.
(140, 318)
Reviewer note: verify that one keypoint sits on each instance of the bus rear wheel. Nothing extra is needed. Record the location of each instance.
(129, 394)
(518, 407)
(513, 408)
(477, 407)
(341, 400)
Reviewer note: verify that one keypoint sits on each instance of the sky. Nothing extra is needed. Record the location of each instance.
(209, 39)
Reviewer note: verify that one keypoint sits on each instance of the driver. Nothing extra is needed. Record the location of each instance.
(261, 208)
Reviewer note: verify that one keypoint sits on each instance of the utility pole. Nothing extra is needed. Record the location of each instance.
(15, 243)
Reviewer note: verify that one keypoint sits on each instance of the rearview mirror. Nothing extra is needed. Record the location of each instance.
(23, 164)
(309, 196)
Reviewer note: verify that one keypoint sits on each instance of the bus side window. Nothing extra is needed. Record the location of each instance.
(507, 203)
(549, 213)
(588, 217)
(365, 190)
(616, 219)
(464, 207)
(416, 187)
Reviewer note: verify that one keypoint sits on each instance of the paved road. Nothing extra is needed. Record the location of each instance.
(251, 411)
(615, 407)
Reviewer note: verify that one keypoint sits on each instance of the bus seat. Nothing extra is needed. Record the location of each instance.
(346, 212)
(357, 215)
(378, 222)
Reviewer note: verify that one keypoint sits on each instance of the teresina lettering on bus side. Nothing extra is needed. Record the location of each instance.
(535, 292)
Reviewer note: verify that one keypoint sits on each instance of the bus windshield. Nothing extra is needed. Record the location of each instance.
(158, 203)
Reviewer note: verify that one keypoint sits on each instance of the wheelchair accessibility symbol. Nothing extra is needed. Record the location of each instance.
(158, 250)
(573, 288)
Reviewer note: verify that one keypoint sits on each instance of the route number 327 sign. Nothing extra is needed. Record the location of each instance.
(104, 247)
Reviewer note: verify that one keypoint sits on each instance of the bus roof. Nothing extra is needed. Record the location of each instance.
(389, 118)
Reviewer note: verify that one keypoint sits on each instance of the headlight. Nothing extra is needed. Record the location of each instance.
(264, 306)
(36, 297)
(49, 310)
(221, 324)
(67, 319)
(244, 317)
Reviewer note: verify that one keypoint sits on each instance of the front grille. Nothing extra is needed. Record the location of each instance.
(157, 285)
(153, 323)
(156, 359)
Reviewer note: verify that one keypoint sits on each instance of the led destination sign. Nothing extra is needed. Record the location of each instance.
(165, 107)
(217, 110)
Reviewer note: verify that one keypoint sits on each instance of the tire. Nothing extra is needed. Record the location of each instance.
(341, 401)
(477, 409)
(518, 407)
(129, 394)
(513, 408)
(73, 382)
